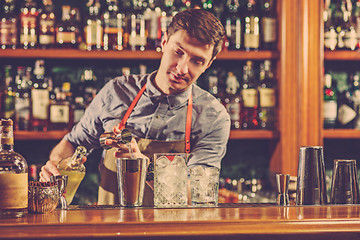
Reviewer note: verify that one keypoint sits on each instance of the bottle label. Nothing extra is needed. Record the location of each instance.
(59, 113)
(330, 39)
(267, 97)
(249, 97)
(13, 190)
(22, 108)
(346, 114)
(8, 32)
(93, 32)
(40, 103)
(330, 110)
(269, 29)
(46, 39)
(66, 37)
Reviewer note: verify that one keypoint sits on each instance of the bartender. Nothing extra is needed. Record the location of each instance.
(164, 110)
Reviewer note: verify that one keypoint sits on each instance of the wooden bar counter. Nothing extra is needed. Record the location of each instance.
(224, 222)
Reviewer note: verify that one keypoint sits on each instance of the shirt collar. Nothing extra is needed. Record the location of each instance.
(174, 100)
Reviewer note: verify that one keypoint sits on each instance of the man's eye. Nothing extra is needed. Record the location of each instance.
(178, 52)
(197, 62)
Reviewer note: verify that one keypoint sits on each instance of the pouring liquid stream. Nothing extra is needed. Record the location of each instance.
(130, 150)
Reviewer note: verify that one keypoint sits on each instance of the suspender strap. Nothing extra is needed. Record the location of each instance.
(131, 107)
(188, 123)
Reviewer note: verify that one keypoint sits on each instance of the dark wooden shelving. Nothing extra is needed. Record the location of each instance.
(341, 134)
(342, 55)
(57, 135)
(126, 54)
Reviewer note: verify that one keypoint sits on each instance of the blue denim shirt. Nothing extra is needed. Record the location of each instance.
(156, 116)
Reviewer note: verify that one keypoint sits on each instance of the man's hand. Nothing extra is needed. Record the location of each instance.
(49, 169)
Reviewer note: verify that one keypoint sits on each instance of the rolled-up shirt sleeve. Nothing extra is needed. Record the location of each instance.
(88, 130)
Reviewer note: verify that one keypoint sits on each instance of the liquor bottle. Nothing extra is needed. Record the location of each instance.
(93, 27)
(13, 175)
(350, 35)
(330, 103)
(213, 82)
(346, 114)
(268, 25)
(75, 170)
(330, 35)
(66, 30)
(267, 97)
(151, 15)
(252, 26)
(137, 38)
(232, 25)
(8, 25)
(357, 21)
(112, 19)
(59, 113)
(339, 14)
(355, 94)
(28, 24)
(22, 99)
(47, 25)
(249, 95)
(232, 100)
(8, 96)
(78, 109)
(33, 176)
(87, 87)
(39, 97)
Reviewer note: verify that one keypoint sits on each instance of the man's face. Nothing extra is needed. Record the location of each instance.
(184, 60)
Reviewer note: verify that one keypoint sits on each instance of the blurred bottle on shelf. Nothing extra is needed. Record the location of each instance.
(22, 99)
(113, 23)
(165, 19)
(66, 30)
(47, 25)
(88, 85)
(346, 113)
(330, 35)
(357, 21)
(232, 100)
(40, 97)
(59, 113)
(330, 103)
(137, 38)
(78, 109)
(212, 82)
(8, 96)
(350, 36)
(8, 25)
(267, 96)
(28, 24)
(233, 25)
(268, 25)
(252, 26)
(249, 95)
(93, 27)
(355, 94)
(151, 14)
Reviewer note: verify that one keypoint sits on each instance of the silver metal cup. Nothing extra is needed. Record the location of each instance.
(344, 186)
(131, 174)
(311, 185)
(61, 181)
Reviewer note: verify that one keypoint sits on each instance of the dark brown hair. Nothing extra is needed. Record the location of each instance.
(201, 25)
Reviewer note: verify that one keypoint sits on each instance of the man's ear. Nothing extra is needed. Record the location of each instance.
(210, 62)
(164, 40)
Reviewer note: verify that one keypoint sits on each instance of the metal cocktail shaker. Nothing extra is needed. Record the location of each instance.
(311, 185)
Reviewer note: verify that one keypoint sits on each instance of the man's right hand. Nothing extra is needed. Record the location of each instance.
(49, 169)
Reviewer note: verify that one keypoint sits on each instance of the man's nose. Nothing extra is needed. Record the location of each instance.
(182, 65)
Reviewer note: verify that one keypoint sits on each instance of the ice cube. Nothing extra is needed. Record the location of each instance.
(162, 162)
(197, 170)
(211, 171)
(178, 161)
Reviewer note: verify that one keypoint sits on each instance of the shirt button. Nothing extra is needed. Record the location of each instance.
(157, 116)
